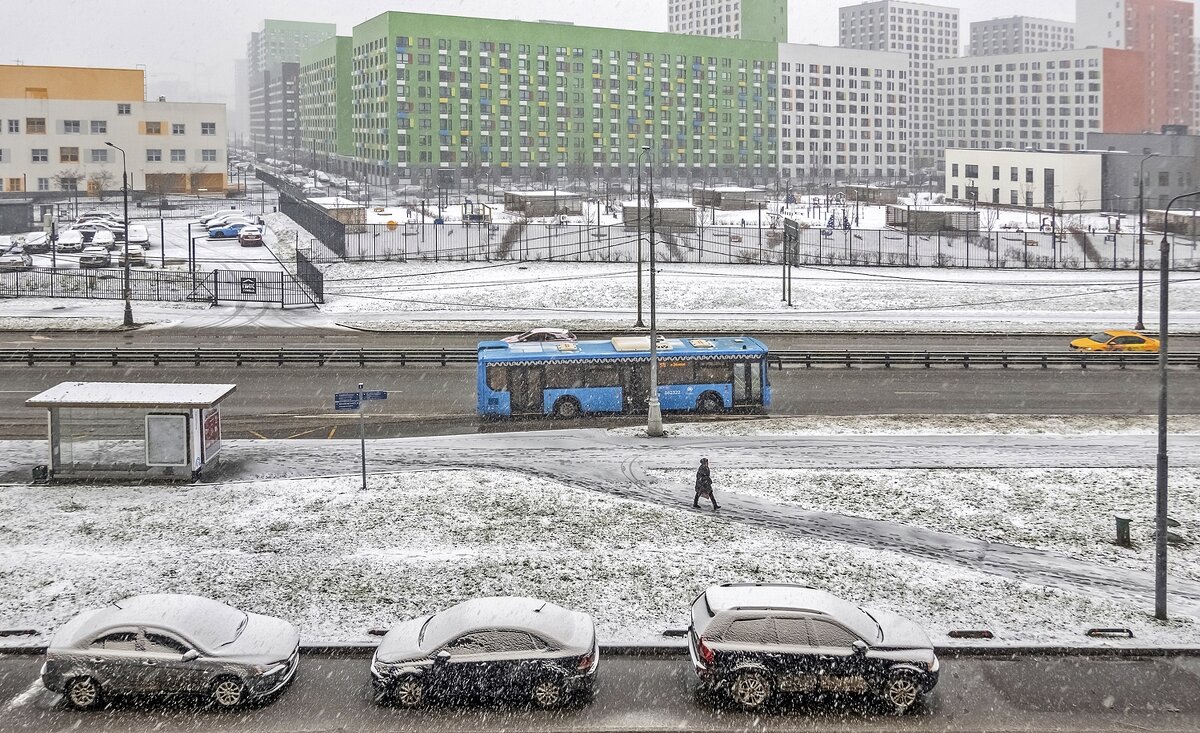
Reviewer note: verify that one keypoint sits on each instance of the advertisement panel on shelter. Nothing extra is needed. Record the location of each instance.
(212, 432)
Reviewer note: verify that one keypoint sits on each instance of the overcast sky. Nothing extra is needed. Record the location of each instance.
(188, 46)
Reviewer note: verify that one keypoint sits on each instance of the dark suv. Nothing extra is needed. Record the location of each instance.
(755, 640)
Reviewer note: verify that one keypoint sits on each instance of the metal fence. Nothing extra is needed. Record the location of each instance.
(748, 245)
(311, 276)
(171, 286)
(168, 286)
(330, 231)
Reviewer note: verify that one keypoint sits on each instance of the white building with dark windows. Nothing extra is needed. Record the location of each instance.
(55, 123)
(926, 34)
(1041, 179)
(754, 20)
(1020, 34)
(843, 115)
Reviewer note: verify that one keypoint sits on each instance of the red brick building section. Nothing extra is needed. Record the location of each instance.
(1163, 32)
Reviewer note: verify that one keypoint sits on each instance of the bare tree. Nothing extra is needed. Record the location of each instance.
(101, 181)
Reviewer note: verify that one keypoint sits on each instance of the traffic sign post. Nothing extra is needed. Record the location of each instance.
(347, 401)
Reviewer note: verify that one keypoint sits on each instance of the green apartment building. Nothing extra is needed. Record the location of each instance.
(325, 102)
(483, 99)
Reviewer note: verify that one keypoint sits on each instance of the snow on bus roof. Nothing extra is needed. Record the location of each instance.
(131, 394)
(631, 345)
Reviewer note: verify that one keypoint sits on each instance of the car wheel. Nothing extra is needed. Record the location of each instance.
(548, 693)
(902, 691)
(83, 693)
(408, 692)
(227, 692)
(567, 408)
(710, 404)
(750, 689)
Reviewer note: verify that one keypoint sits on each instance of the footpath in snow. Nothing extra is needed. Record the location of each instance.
(963, 522)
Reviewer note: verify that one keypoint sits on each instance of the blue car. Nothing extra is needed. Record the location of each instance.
(227, 231)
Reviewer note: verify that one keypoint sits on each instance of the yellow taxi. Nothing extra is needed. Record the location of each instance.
(1116, 340)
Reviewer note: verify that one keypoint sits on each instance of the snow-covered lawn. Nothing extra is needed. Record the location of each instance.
(338, 560)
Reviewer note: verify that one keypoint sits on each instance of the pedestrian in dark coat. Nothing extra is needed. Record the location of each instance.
(704, 486)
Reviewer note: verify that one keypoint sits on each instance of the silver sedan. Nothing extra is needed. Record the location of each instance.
(170, 644)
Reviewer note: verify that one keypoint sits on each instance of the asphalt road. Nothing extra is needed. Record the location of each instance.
(297, 400)
(641, 694)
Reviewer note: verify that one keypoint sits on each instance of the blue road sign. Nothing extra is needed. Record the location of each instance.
(377, 394)
(345, 404)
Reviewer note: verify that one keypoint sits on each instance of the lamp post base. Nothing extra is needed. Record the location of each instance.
(128, 315)
(654, 423)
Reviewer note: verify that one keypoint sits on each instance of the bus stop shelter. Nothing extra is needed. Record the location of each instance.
(132, 430)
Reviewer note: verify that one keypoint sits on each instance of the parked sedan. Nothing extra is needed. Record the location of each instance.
(36, 242)
(95, 257)
(227, 230)
(251, 236)
(1116, 340)
(69, 240)
(15, 259)
(170, 644)
(137, 254)
(541, 334)
(752, 641)
(104, 238)
(489, 646)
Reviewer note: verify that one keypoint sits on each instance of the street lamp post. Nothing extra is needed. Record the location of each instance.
(640, 323)
(654, 424)
(1142, 242)
(1160, 465)
(125, 205)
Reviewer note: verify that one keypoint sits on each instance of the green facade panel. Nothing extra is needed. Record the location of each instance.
(765, 20)
(481, 96)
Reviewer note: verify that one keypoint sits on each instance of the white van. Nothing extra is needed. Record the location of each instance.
(139, 235)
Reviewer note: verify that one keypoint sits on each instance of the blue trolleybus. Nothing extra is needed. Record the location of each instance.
(571, 378)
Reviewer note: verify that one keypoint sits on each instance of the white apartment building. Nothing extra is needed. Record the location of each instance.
(1020, 34)
(1048, 101)
(1064, 181)
(55, 123)
(756, 20)
(843, 114)
(927, 34)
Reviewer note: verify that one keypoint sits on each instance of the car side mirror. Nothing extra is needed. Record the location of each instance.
(191, 655)
(442, 657)
(860, 647)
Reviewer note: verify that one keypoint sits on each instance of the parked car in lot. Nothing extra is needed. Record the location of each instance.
(95, 257)
(170, 644)
(35, 242)
(521, 647)
(251, 236)
(139, 235)
(137, 254)
(1116, 340)
(541, 334)
(753, 641)
(104, 238)
(208, 218)
(227, 230)
(69, 240)
(16, 258)
(221, 221)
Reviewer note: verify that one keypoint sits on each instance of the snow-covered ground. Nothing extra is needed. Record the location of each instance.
(479, 515)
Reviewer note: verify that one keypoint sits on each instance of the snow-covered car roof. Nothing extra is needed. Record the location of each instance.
(199, 619)
(554, 623)
(786, 597)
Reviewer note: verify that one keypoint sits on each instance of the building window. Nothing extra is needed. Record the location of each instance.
(41, 155)
(153, 128)
(208, 128)
(99, 127)
(71, 127)
(68, 155)
(14, 126)
(35, 125)
(99, 155)
(68, 184)
(43, 184)
(177, 156)
(153, 155)
(178, 128)
(124, 108)
(208, 156)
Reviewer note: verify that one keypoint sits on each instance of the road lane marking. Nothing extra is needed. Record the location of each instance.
(916, 393)
(25, 697)
(332, 431)
(303, 432)
(258, 434)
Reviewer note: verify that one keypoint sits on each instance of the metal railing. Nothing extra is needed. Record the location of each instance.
(444, 357)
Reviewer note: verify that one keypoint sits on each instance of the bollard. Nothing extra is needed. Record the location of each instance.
(1123, 521)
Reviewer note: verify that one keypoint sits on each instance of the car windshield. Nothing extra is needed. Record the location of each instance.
(1102, 337)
